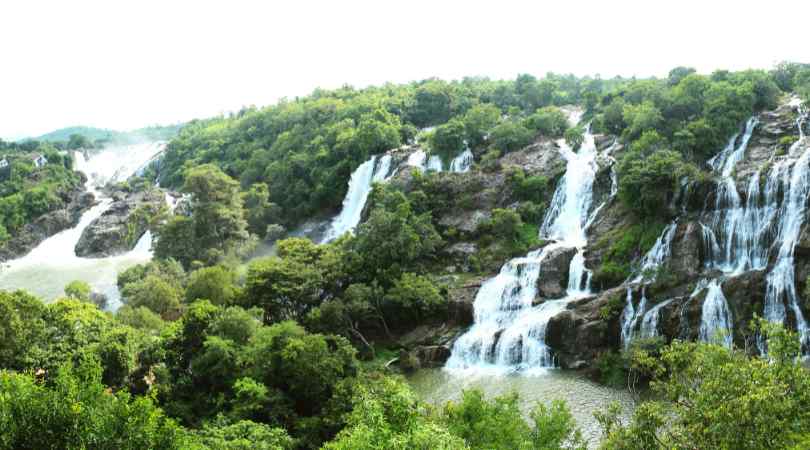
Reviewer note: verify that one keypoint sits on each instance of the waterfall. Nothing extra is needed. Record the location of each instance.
(653, 259)
(715, 319)
(463, 162)
(780, 283)
(659, 252)
(649, 324)
(738, 232)
(46, 269)
(509, 332)
(631, 315)
(374, 170)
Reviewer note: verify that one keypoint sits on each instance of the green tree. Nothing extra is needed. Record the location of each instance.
(217, 284)
(709, 397)
(80, 290)
(76, 411)
(154, 293)
(415, 296)
(217, 227)
(478, 122)
(385, 414)
(448, 140)
(510, 136)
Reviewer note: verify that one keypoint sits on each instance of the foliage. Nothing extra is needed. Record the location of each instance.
(79, 290)
(712, 397)
(217, 284)
(217, 227)
(76, 411)
(154, 293)
(498, 424)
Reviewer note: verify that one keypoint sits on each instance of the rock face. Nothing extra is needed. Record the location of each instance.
(553, 280)
(118, 229)
(32, 234)
(617, 241)
(583, 331)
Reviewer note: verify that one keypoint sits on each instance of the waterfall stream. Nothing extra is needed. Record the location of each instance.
(374, 170)
(46, 269)
(509, 331)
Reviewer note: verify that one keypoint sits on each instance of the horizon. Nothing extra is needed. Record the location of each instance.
(147, 63)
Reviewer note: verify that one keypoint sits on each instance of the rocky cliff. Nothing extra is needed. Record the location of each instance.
(32, 234)
(670, 302)
(118, 229)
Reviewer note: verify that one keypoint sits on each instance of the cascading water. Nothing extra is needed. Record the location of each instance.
(649, 324)
(509, 332)
(715, 322)
(780, 283)
(739, 231)
(53, 263)
(460, 164)
(658, 253)
(463, 162)
(374, 170)
(654, 258)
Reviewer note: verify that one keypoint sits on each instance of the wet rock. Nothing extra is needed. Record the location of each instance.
(466, 221)
(460, 302)
(45, 226)
(553, 280)
(118, 229)
(745, 294)
(586, 329)
(425, 356)
(541, 158)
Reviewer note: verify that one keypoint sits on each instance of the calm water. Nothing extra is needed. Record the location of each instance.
(583, 397)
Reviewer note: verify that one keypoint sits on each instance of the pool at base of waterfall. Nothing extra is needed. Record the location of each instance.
(583, 397)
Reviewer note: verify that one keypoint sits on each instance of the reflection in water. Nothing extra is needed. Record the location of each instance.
(582, 396)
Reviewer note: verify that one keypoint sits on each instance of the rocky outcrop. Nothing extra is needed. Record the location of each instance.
(118, 229)
(45, 226)
(587, 328)
(425, 356)
(541, 158)
(553, 280)
(461, 297)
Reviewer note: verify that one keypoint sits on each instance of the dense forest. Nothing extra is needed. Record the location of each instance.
(217, 348)
(27, 191)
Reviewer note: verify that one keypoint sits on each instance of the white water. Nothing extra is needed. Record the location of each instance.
(649, 324)
(715, 322)
(509, 332)
(780, 284)
(631, 315)
(741, 236)
(659, 253)
(53, 263)
(374, 170)
(461, 163)
(647, 272)
(737, 237)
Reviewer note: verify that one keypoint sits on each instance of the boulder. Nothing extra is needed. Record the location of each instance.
(120, 227)
(553, 280)
(460, 308)
(543, 157)
(425, 356)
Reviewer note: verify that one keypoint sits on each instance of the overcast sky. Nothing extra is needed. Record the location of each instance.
(124, 64)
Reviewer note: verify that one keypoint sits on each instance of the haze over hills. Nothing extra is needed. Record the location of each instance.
(150, 133)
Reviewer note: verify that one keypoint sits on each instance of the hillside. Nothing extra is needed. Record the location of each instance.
(104, 136)
(644, 234)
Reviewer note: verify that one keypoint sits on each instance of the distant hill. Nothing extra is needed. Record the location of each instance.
(103, 136)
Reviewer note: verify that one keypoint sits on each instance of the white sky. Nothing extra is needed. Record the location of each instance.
(126, 64)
